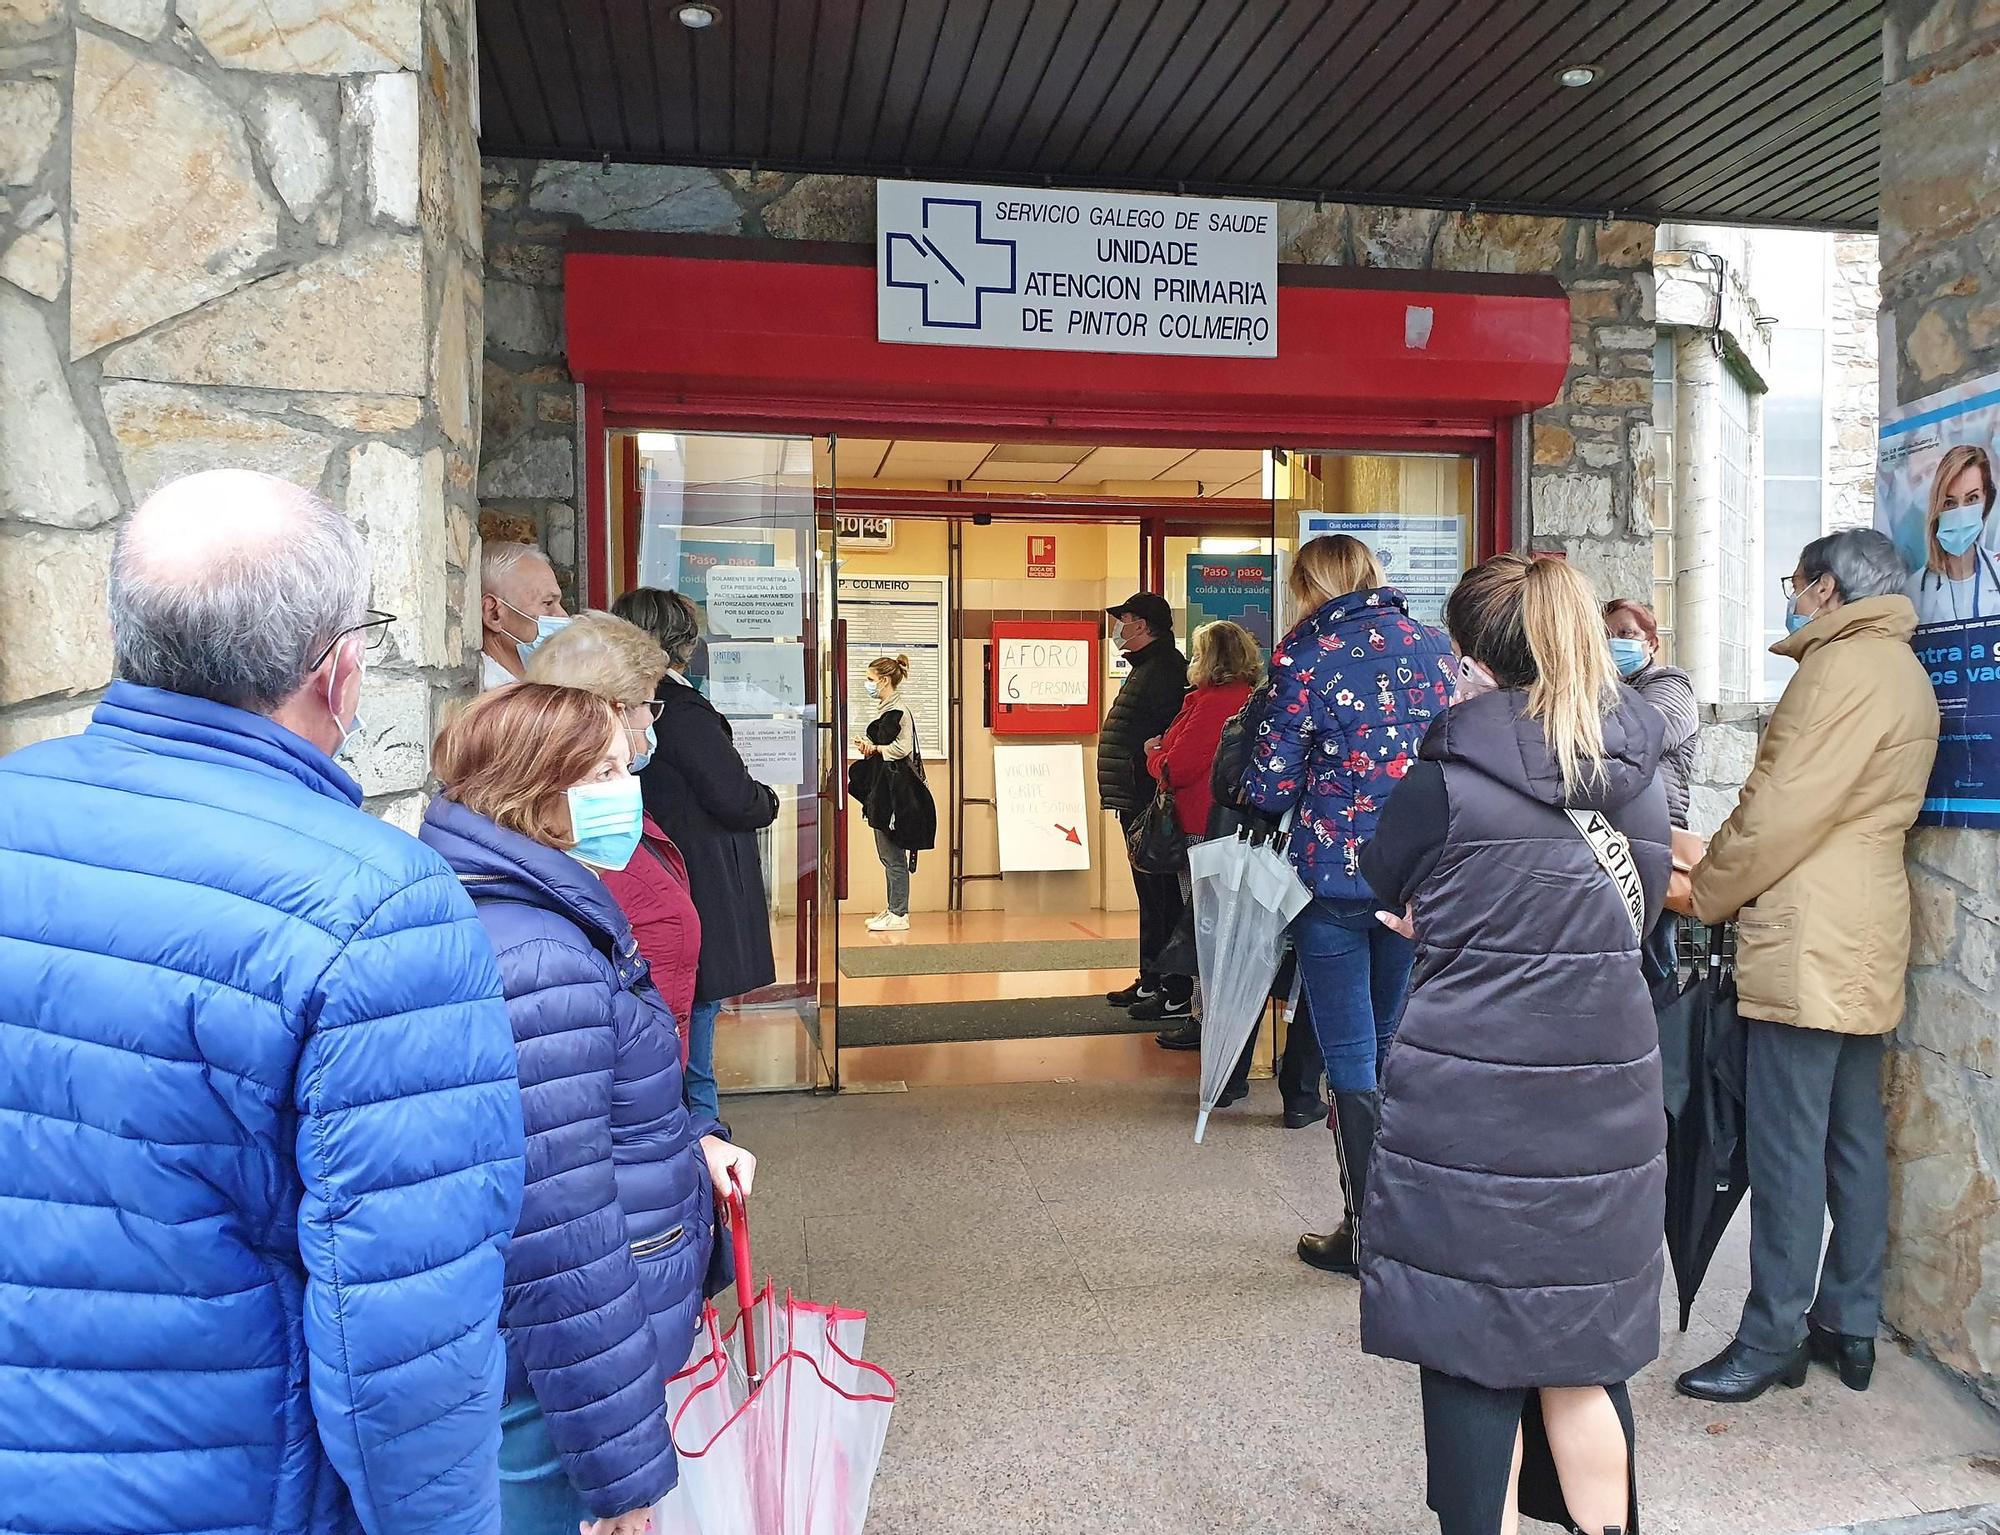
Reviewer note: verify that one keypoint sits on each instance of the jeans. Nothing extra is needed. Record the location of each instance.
(1356, 972)
(700, 1075)
(1160, 908)
(536, 1497)
(896, 868)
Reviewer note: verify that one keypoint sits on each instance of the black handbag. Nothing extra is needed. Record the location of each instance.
(1154, 841)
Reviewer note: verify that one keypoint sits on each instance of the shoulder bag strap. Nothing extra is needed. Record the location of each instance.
(1613, 852)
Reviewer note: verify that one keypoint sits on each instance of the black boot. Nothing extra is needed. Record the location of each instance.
(1853, 1357)
(1299, 1070)
(1739, 1374)
(1354, 1117)
(1238, 1086)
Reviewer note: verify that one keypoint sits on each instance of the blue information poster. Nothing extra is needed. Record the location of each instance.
(1232, 586)
(1964, 662)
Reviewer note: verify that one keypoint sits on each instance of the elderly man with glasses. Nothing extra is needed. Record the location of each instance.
(260, 1133)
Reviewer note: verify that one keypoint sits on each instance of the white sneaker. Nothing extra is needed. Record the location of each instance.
(888, 922)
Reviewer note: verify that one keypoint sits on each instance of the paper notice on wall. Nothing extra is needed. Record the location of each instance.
(1038, 793)
(755, 602)
(898, 616)
(1043, 671)
(766, 678)
(774, 751)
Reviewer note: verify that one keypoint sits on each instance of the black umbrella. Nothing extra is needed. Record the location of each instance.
(1702, 1066)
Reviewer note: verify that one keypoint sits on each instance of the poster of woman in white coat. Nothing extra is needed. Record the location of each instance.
(1960, 575)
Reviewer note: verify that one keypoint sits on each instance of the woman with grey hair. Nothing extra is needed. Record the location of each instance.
(1810, 867)
(697, 790)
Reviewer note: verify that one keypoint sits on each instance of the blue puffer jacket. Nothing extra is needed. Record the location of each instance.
(1353, 688)
(604, 1280)
(260, 1144)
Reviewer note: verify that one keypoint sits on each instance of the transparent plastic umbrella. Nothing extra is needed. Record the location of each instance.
(778, 1422)
(1245, 896)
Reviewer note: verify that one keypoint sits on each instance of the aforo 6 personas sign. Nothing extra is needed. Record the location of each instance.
(1075, 271)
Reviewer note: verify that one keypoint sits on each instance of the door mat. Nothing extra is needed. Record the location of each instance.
(956, 1023)
(867, 960)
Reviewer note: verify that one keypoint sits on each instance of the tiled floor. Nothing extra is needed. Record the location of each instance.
(1098, 1326)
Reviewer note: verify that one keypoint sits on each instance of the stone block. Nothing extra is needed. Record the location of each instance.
(1979, 953)
(398, 498)
(1399, 238)
(1313, 234)
(30, 114)
(1614, 567)
(825, 208)
(533, 469)
(28, 21)
(295, 150)
(1724, 755)
(532, 262)
(1626, 338)
(36, 260)
(143, 19)
(1624, 243)
(349, 322)
(1966, 856)
(383, 108)
(503, 406)
(403, 811)
(392, 749)
(145, 250)
(1933, 350)
(1935, 31)
(55, 634)
(523, 319)
(308, 37)
(1950, 1020)
(1587, 389)
(1933, 920)
(1553, 444)
(1601, 455)
(50, 471)
(500, 526)
(165, 431)
(376, 414)
(665, 199)
(1944, 184)
(1571, 505)
(1600, 305)
(556, 409)
(19, 729)
(1709, 808)
(1498, 242)
(452, 367)
(559, 538)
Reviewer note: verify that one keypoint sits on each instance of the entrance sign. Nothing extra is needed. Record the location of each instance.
(754, 602)
(960, 265)
(864, 532)
(1038, 793)
(1423, 557)
(898, 616)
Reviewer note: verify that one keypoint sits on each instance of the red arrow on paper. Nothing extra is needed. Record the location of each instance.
(1069, 832)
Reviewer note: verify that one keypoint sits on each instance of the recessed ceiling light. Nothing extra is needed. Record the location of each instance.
(698, 17)
(1577, 76)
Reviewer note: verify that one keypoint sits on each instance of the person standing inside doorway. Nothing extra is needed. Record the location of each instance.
(897, 805)
(1353, 688)
(1142, 626)
(520, 605)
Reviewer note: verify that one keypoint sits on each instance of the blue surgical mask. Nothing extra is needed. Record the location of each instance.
(638, 763)
(1958, 529)
(607, 820)
(544, 627)
(1629, 656)
(1794, 619)
(871, 687)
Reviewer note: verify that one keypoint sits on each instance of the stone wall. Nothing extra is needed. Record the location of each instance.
(1940, 253)
(246, 234)
(1592, 471)
(1853, 379)
(1725, 750)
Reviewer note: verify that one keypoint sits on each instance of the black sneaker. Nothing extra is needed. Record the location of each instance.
(1158, 1005)
(1136, 992)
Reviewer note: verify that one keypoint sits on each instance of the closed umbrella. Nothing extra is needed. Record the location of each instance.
(1245, 896)
(1702, 1046)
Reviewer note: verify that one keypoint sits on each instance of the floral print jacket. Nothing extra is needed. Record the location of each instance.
(1353, 689)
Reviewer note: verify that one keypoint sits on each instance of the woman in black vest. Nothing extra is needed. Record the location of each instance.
(1511, 1236)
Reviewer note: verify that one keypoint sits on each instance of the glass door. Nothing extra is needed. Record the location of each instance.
(732, 523)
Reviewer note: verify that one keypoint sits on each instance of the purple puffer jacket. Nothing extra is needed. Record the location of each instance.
(604, 1278)
(1353, 688)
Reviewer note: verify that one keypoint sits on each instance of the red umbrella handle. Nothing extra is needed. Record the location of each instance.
(737, 1213)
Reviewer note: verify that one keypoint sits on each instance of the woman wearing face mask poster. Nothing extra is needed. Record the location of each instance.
(1635, 650)
(1961, 576)
(608, 1264)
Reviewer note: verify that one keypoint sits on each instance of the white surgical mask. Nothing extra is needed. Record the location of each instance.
(349, 732)
(871, 687)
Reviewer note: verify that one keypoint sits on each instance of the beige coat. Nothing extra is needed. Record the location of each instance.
(1811, 863)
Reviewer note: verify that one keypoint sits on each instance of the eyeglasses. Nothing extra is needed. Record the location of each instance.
(653, 708)
(374, 630)
(1789, 585)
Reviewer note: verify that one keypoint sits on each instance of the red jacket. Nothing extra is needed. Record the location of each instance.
(1187, 751)
(652, 890)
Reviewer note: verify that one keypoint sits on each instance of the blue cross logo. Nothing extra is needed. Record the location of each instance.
(951, 263)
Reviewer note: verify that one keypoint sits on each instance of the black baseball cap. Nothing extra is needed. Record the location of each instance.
(1150, 606)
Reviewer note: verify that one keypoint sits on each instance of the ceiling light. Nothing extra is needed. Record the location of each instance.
(698, 17)
(1576, 77)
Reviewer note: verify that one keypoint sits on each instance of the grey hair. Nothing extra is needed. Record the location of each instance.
(230, 585)
(669, 617)
(1863, 562)
(497, 558)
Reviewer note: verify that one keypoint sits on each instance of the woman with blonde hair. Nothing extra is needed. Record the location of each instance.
(1353, 688)
(1960, 577)
(895, 802)
(605, 1275)
(1511, 1238)
(624, 666)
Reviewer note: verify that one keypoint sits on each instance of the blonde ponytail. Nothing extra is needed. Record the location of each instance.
(1575, 683)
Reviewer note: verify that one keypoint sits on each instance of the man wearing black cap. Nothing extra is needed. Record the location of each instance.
(1143, 627)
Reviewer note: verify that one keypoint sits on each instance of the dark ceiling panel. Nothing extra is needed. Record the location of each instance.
(1739, 110)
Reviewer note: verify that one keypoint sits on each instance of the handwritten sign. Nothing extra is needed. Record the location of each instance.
(1044, 671)
(762, 678)
(1038, 792)
(754, 602)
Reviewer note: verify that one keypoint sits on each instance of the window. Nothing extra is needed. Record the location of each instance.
(1735, 558)
(1663, 491)
(1793, 456)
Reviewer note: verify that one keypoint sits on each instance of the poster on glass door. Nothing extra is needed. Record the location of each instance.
(1232, 586)
(1422, 557)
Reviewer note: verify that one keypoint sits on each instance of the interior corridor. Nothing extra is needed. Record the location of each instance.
(1098, 1326)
